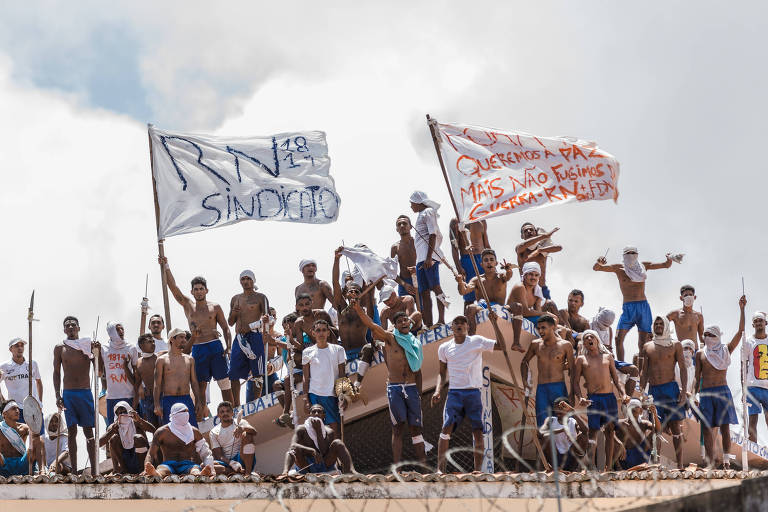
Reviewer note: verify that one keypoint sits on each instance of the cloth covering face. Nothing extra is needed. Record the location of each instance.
(115, 341)
(309, 425)
(412, 347)
(632, 267)
(125, 425)
(601, 323)
(716, 352)
(179, 424)
(82, 344)
(665, 338)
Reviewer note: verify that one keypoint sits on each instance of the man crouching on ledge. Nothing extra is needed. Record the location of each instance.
(14, 456)
(178, 441)
(314, 449)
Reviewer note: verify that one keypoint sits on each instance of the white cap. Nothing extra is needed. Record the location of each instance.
(175, 332)
(385, 293)
(15, 341)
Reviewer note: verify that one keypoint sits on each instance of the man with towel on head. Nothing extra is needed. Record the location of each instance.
(526, 300)
(14, 456)
(714, 398)
(636, 434)
(314, 449)
(247, 312)
(428, 256)
(16, 374)
(635, 311)
(75, 356)
(126, 439)
(601, 323)
(663, 355)
(156, 327)
(536, 248)
(319, 291)
(757, 373)
(120, 382)
(175, 379)
(393, 304)
(177, 442)
(56, 444)
(403, 355)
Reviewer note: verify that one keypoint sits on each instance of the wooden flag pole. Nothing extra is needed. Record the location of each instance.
(160, 248)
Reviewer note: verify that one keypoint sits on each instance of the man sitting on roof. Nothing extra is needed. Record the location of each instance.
(177, 443)
(14, 456)
(314, 449)
(126, 439)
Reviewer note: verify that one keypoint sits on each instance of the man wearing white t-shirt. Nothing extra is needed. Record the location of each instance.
(232, 443)
(15, 374)
(119, 382)
(757, 374)
(462, 359)
(323, 363)
(156, 326)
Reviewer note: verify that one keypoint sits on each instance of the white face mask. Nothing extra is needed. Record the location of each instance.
(688, 300)
(180, 418)
(124, 419)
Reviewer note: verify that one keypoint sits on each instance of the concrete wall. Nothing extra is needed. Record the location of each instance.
(751, 496)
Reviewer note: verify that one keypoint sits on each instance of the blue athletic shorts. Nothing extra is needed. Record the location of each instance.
(461, 403)
(534, 320)
(466, 264)
(620, 364)
(179, 467)
(636, 456)
(404, 404)
(168, 402)
(604, 409)
(133, 463)
(331, 406)
(239, 365)
(314, 467)
(15, 466)
(546, 394)
(716, 406)
(401, 291)
(235, 458)
(147, 409)
(210, 361)
(665, 399)
(111, 403)
(21, 420)
(757, 400)
(636, 313)
(545, 291)
(427, 278)
(78, 407)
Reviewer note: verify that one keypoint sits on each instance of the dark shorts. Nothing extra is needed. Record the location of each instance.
(15, 466)
(168, 402)
(179, 467)
(404, 404)
(545, 291)
(716, 406)
(427, 278)
(210, 361)
(604, 409)
(239, 365)
(21, 420)
(546, 394)
(665, 398)
(132, 462)
(147, 409)
(111, 403)
(757, 400)
(401, 291)
(620, 364)
(314, 467)
(250, 388)
(331, 406)
(636, 456)
(636, 313)
(78, 407)
(469, 270)
(461, 403)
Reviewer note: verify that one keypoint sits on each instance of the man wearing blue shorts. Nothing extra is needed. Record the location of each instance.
(314, 448)
(323, 363)
(464, 249)
(14, 456)
(637, 434)
(176, 446)
(595, 364)
(636, 311)
(662, 356)
(74, 356)
(405, 252)
(461, 359)
(428, 256)
(203, 317)
(757, 374)
(175, 380)
(714, 397)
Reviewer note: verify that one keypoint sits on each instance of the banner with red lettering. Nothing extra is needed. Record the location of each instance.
(494, 172)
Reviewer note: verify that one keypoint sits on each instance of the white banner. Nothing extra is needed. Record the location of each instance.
(204, 181)
(494, 172)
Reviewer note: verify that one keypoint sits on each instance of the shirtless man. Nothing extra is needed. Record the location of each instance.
(294, 348)
(302, 328)
(14, 456)
(570, 317)
(314, 448)
(393, 304)
(463, 250)
(688, 323)
(716, 402)
(535, 248)
(352, 330)
(660, 356)
(320, 291)
(126, 439)
(144, 380)
(554, 359)
(635, 311)
(404, 356)
(205, 346)
(75, 356)
(527, 301)
(595, 364)
(636, 434)
(495, 284)
(175, 377)
(757, 373)
(405, 251)
(179, 444)
(601, 323)
(247, 358)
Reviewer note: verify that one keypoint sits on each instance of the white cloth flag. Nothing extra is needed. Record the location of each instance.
(494, 172)
(206, 181)
(371, 265)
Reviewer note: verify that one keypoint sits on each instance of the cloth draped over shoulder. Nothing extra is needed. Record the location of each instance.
(13, 437)
(414, 352)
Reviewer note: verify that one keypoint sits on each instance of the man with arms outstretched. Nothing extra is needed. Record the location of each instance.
(536, 248)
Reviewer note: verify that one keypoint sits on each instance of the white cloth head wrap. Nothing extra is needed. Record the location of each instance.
(304, 263)
(758, 314)
(583, 347)
(420, 197)
(311, 432)
(632, 267)
(10, 405)
(357, 277)
(49, 430)
(125, 425)
(179, 424)
(665, 339)
(532, 266)
(81, 344)
(688, 344)
(601, 323)
(386, 292)
(717, 354)
(115, 341)
(249, 273)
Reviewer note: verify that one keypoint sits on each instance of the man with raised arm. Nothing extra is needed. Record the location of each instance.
(126, 439)
(176, 446)
(636, 311)
(16, 373)
(662, 355)
(203, 317)
(636, 434)
(405, 252)
(689, 324)
(302, 328)
(595, 364)
(314, 449)
(248, 311)
(319, 291)
(232, 442)
(716, 402)
(464, 250)
(14, 456)
(554, 359)
(526, 300)
(461, 359)
(394, 303)
(175, 379)
(75, 356)
(403, 355)
(757, 373)
(536, 248)
(156, 326)
(495, 283)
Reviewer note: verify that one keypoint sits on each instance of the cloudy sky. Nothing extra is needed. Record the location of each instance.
(675, 91)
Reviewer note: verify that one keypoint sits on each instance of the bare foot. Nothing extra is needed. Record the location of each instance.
(517, 347)
(150, 470)
(207, 471)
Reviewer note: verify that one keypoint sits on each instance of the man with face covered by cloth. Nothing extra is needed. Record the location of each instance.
(126, 439)
(314, 449)
(119, 381)
(177, 442)
(715, 401)
(601, 324)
